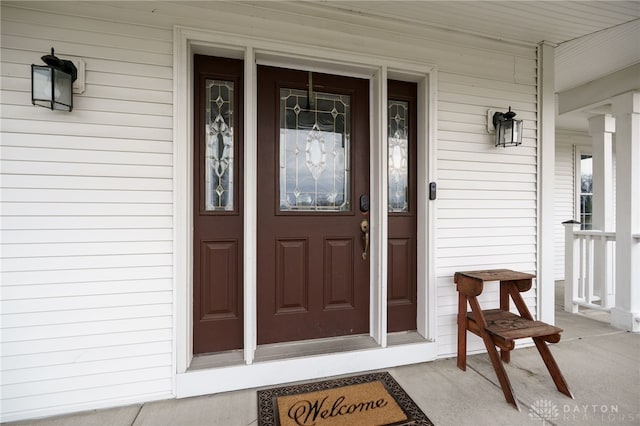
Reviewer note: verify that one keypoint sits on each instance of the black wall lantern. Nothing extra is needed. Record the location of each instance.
(52, 84)
(508, 130)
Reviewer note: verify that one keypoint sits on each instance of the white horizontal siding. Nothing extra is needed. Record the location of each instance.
(59, 358)
(86, 248)
(486, 208)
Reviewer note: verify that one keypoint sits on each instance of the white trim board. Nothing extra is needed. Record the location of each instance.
(224, 379)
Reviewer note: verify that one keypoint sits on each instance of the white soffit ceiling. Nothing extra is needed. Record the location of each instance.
(523, 21)
(596, 55)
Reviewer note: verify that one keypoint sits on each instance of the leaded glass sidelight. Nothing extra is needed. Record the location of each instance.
(314, 151)
(398, 146)
(219, 146)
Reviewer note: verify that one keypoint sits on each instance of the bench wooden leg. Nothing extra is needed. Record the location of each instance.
(504, 305)
(498, 367)
(462, 332)
(552, 366)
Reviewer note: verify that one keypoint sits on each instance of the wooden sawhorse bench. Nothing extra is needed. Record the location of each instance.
(500, 328)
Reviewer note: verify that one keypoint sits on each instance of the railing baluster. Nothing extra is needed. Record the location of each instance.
(571, 253)
(600, 267)
(611, 274)
(588, 241)
(582, 273)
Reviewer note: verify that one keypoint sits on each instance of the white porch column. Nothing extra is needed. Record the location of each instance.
(546, 181)
(601, 128)
(626, 110)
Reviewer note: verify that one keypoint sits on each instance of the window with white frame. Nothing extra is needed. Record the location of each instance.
(586, 191)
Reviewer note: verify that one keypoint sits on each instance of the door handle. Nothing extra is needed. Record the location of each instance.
(364, 227)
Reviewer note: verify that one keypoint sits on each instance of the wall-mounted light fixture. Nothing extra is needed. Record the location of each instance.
(508, 131)
(52, 84)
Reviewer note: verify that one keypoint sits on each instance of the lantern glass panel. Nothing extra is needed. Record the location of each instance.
(507, 131)
(42, 85)
(517, 132)
(500, 134)
(62, 90)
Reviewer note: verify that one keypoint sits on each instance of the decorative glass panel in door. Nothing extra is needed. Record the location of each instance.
(398, 139)
(314, 151)
(219, 146)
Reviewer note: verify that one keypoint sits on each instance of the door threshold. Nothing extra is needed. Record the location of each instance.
(276, 351)
(404, 338)
(217, 359)
(302, 348)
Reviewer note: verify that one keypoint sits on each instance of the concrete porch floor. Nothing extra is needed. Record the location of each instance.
(600, 363)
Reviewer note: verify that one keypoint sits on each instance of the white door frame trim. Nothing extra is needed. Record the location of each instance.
(187, 42)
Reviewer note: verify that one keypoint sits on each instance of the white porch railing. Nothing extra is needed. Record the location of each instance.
(589, 268)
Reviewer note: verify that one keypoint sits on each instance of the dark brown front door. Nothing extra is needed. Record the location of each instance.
(313, 167)
(218, 210)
